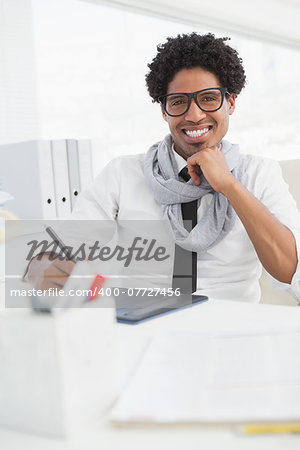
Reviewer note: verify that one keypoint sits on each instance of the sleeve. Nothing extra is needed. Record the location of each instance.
(101, 200)
(274, 193)
(93, 217)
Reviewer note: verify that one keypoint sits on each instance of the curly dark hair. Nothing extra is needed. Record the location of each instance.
(187, 51)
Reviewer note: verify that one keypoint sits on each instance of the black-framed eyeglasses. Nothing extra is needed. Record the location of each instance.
(208, 100)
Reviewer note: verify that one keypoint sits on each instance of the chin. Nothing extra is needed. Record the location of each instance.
(195, 148)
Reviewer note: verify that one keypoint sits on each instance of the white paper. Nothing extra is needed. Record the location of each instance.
(189, 377)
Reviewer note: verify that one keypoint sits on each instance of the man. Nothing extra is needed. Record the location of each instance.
(245, 212)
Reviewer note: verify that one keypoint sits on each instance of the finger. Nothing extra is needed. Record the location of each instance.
(194, 172)
(47, 284)
(57, 274)
(65, 267)
(51, 280)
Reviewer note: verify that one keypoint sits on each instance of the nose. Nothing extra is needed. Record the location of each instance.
(194, 113)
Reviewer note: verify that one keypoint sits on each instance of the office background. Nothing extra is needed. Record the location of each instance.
(75, 69)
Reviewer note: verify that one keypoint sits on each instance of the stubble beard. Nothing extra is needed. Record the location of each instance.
(186, 152)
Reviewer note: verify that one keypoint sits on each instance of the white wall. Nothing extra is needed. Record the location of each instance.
(91, 81)
(76, 70)
(91, 75)
(276, 21)
(18, 101)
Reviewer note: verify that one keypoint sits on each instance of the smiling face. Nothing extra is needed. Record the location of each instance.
(196, 129)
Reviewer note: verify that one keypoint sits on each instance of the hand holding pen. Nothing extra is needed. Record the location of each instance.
(46, 273)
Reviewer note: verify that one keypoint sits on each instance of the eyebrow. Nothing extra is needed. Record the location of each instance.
(208, 91)
(179, 94)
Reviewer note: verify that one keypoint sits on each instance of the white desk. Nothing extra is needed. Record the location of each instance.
(210, 316)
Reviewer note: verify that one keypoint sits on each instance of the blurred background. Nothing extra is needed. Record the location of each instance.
(76, 69)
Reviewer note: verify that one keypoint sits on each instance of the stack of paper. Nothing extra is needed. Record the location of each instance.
(189, 377)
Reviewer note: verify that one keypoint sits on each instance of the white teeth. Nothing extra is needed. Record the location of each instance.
(196, 133)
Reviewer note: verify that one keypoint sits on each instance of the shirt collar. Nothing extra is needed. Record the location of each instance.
(180, 161)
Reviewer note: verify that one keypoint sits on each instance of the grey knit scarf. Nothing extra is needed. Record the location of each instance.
(160, 170)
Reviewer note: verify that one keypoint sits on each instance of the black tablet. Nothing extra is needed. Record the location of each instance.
(134, 305)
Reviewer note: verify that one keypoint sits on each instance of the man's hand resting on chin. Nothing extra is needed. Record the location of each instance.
(213, 164)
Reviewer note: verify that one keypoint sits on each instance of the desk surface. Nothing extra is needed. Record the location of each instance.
(213, 316)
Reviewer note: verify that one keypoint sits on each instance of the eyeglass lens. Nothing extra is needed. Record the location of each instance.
(208, 100)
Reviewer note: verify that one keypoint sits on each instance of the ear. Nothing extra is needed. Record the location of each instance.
(163, 113)
(231, 104)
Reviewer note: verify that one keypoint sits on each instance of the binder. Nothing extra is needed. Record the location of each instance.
(73, 170)
(45, 177)
(61, 177)
(85, 163)
(26, 172)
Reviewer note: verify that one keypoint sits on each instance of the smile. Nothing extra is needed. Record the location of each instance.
(196, 133)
